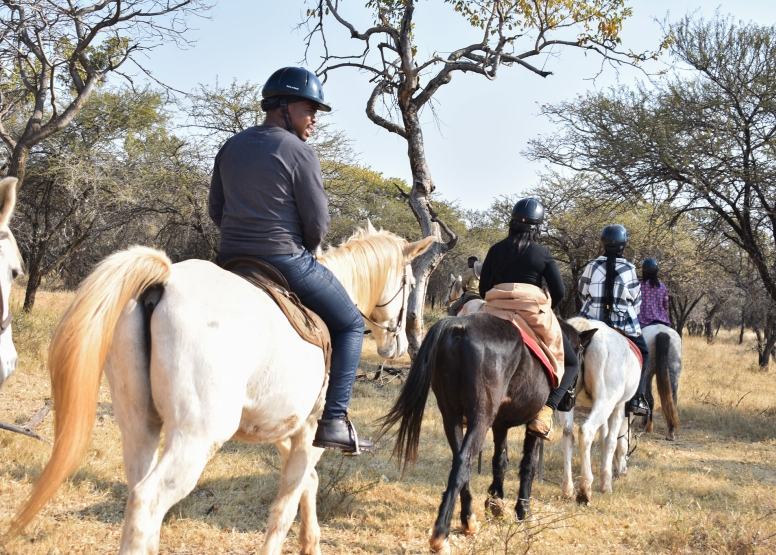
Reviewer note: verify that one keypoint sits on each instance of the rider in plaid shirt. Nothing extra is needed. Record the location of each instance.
(627, 295)
(611, 292)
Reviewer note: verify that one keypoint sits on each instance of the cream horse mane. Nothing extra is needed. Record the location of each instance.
(378, 250)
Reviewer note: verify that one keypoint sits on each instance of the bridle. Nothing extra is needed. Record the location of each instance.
(395, 330)
(6, 322)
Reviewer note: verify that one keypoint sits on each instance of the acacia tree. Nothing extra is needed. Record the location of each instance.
(702, 140)
(512, 32)
(54, 53)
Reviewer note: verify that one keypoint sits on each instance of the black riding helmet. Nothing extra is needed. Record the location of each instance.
(650, 267)
(614, 238)
(296, 82)
(528, 211)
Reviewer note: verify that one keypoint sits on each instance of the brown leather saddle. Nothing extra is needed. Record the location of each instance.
(266, 277)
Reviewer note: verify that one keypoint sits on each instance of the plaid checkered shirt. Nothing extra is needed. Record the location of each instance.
(627, 295)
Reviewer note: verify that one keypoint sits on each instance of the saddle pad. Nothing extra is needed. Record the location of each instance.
(635, 350)
(307, 323)
(537, 351)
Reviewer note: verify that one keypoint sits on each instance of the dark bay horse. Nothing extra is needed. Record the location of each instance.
(480, 371)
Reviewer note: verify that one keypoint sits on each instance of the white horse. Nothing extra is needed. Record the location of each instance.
(665, 363)
(10, 269)
(609, 377)
(208, 356)
(454, 289)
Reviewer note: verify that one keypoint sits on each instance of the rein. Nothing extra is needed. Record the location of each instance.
(396, 330)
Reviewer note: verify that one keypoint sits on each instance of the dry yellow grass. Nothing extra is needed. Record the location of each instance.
(711, 491)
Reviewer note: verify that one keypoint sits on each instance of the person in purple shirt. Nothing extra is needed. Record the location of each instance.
(654, 296)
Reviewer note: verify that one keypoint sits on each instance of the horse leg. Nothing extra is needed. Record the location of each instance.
(567, 443)
(128, 373)
(527, 471)
(172, 479)
(296, 480)
(608, 448)
(648, 424)
(587, 431)
(309, 531)
(463, 453)
(620, 455)
(495, 501)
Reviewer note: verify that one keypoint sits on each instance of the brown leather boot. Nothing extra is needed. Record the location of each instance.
(339, 433)
(541, 425)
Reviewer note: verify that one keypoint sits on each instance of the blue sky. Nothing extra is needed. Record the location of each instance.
(474, 152)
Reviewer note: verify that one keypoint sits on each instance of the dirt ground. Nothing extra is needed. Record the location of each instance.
(711, 491)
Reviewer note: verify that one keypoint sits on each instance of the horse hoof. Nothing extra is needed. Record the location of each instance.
(439, 545)
(649, 427)
(472, 526)
(494, 506)
(583, 497)
(670, 436)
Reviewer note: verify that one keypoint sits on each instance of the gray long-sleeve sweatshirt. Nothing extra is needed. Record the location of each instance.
(266, 194)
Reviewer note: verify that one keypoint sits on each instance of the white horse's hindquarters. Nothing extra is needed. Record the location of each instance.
(221, 349)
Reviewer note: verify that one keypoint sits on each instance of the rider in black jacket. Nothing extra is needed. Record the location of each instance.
(521, 259)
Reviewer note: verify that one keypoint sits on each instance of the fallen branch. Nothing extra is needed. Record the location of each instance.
(31, 424)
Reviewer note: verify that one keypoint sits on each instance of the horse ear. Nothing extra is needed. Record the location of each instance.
(413, 250)
(452, 277)
(370, 229)
(585, 337)
(8, 199)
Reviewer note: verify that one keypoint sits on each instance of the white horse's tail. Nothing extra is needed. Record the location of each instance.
(670, 414)
(77, 354)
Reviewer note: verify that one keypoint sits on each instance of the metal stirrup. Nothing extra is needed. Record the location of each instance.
(352, 428)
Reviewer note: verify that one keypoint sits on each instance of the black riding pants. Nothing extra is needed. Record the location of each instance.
(641, 343)
(571, 364)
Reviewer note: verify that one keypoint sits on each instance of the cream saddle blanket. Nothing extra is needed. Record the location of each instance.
(530, 310)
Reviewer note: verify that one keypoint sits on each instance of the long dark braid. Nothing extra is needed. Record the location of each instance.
(521, 235)
(611, 271)
(652, 279)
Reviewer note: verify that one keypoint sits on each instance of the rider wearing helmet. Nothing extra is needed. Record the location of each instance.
(470, 282)
(521, 259)
(267, 198)
(654, 296)
(611, 292)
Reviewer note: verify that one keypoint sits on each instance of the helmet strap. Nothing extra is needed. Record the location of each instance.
(284, 109)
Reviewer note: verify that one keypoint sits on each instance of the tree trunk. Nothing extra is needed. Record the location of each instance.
(766, 345)
(743, 326)
(33, 283)
(18, 163)
(422, 187)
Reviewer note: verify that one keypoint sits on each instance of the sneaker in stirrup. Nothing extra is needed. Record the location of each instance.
(339, 433)
(541, 425)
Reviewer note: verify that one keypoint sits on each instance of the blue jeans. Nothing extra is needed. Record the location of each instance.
(320, 291)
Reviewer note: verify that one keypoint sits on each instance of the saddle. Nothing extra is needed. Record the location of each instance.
(267, 278)
(632, 345)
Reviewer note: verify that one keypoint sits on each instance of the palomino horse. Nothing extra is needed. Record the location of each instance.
(10, 269)
(208, 356)
(480, 370)
(665, 362)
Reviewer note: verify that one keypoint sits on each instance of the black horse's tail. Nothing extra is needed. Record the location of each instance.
(411, 403)
(670, 414)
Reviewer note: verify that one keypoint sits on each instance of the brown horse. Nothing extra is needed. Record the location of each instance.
(481, 371)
